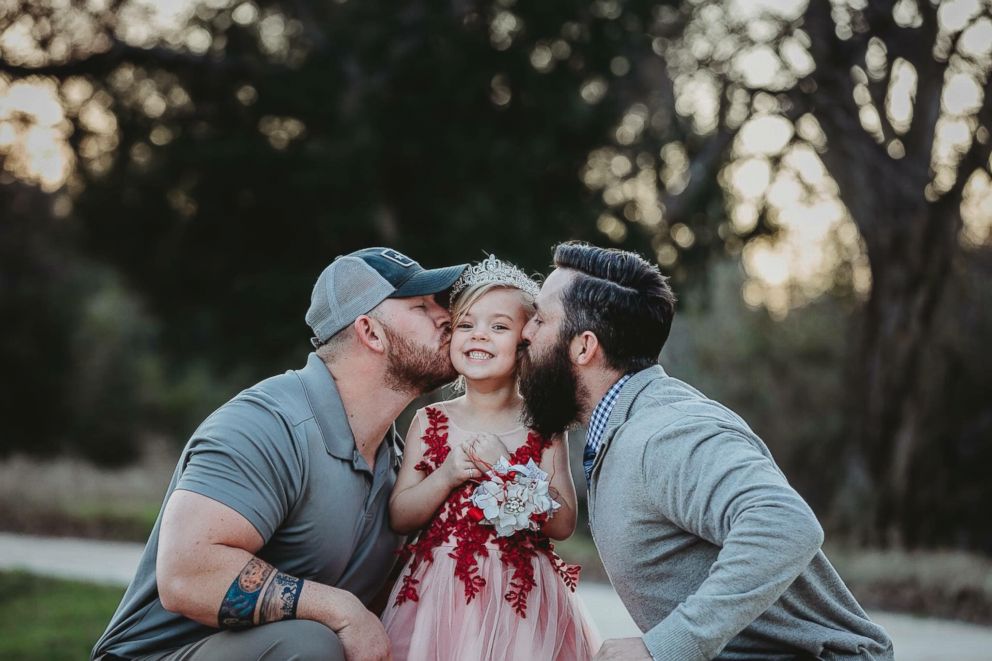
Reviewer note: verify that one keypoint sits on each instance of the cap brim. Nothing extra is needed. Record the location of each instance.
(432, 281)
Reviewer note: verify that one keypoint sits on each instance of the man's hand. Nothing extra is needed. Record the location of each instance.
(623, 649)
(363, 636)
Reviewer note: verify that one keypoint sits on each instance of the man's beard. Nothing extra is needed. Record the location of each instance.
(415, 368)
(553, 396)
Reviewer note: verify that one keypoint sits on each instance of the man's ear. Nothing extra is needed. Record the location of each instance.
(369, 333)
(584, 348)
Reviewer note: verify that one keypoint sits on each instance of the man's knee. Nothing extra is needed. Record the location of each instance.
(306, 640)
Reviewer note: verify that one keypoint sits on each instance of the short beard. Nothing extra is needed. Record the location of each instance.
(553, 396)
(414, 368)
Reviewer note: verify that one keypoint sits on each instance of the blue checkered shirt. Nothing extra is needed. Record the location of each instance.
(597, 424)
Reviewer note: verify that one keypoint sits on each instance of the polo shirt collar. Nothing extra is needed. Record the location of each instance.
(328, 409)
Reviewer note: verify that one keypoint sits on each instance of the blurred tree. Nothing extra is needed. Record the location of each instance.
(37, 318)
(890, 97)
(224, 152)
(896, 105)
(224, 156)
(73, 344)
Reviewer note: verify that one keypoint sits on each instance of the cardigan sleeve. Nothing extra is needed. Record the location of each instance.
(716, 482)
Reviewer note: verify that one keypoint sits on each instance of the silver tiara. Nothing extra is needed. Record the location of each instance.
(494, 270)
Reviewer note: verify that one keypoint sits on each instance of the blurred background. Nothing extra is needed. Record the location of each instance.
(814, 176)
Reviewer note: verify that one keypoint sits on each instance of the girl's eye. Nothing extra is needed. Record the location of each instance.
(463, 325)
(501, 327)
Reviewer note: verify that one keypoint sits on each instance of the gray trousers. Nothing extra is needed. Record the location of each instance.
(288, 640)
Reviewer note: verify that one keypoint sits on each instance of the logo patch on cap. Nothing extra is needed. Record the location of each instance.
(398, 258)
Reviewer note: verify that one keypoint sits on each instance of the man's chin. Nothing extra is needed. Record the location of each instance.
(440, 381)
(551, 391)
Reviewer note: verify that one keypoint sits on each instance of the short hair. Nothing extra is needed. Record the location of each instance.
(331, 349)
(621, 298)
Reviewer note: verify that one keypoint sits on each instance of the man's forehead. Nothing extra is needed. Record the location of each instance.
(550, 294)
(398, 305)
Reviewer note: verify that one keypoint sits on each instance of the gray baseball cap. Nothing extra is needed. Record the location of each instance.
(355, 283)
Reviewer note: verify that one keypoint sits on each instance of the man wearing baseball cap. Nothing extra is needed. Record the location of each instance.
(274, 535)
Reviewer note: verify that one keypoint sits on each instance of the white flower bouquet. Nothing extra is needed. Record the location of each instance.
(513, 498)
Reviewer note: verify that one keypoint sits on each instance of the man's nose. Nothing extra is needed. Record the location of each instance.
(440, 314)
(527, 333)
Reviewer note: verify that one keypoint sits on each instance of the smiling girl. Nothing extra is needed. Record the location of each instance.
(466, 592)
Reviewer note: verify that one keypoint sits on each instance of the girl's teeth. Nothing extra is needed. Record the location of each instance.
(478, 355)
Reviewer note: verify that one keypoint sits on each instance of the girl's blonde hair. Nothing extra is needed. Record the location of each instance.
(471, 294)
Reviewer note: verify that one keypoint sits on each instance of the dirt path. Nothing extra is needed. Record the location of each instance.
(113, 563)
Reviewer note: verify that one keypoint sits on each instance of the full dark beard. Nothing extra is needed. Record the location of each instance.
(415, 368)
(552, 394)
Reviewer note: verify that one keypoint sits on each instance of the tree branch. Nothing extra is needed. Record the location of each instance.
(701, 169)
(103, 63)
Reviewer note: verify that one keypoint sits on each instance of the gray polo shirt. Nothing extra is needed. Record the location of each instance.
(282, 455)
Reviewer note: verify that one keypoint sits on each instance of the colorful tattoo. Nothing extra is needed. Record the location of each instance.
(238, 608)
(281, 598)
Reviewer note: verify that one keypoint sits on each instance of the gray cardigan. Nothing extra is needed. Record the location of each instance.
(710, 549)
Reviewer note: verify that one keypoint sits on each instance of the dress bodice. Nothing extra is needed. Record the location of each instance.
(456, 529)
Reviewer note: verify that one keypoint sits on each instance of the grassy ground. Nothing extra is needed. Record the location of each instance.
(945, 584)
(42, 618)
(69, 497)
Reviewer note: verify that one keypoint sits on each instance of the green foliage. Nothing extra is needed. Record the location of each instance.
(85, 373)
(371, 124)
(44, 618)
(213, 183)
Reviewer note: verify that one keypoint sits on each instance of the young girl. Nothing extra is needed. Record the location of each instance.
(466, 593)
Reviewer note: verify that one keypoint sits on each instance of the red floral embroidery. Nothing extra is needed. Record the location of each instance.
(456, 518)
(436, 439)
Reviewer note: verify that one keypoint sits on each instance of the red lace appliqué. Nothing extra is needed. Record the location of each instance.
(516, 551)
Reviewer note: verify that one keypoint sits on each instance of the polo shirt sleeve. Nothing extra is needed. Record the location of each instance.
(715, 482)
(245, 456)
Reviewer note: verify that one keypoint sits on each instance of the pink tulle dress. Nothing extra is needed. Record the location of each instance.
(465, 594)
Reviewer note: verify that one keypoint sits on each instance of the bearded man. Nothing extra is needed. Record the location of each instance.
(274, 535)
(710, 549)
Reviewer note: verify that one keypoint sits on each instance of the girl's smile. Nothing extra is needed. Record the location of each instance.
(484, 340)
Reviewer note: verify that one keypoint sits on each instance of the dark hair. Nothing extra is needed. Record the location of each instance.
(620, 297)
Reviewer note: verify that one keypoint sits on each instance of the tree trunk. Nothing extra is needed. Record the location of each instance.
(911, 242)
(910, 266)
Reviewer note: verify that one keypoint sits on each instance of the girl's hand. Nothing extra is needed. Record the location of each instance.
(485, 450)
(458, 466)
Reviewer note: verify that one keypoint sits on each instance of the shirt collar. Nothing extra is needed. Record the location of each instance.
(600, 415)
(332, 418)
(327, 407)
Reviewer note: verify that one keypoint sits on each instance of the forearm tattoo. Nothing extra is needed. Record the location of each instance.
(279, 592)
(280, 600)
(238, 608)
